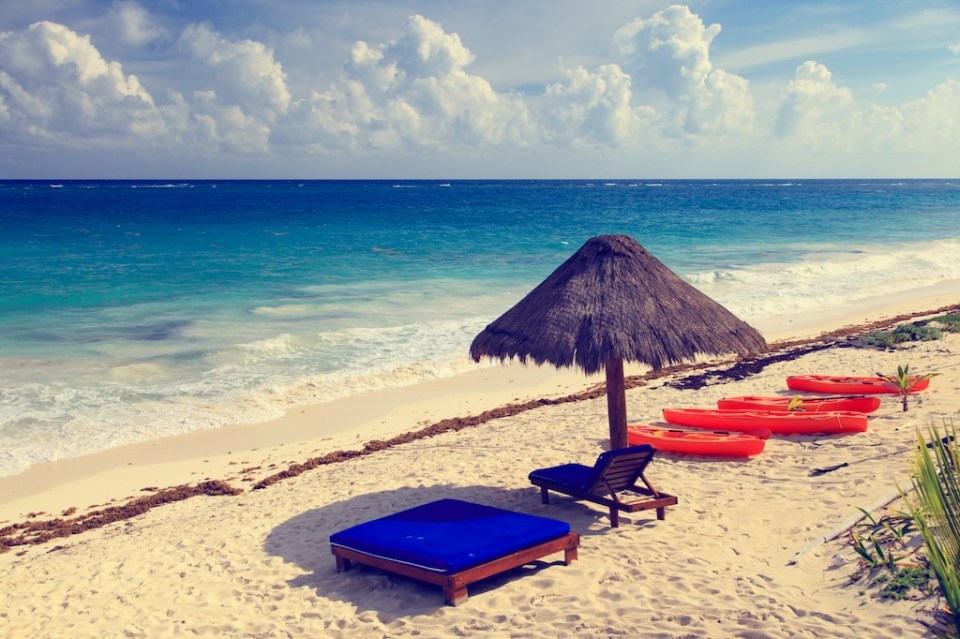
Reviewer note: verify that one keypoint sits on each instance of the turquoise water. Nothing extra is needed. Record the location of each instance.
(137, 309)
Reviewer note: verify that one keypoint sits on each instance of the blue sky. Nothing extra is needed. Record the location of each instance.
(449, 89)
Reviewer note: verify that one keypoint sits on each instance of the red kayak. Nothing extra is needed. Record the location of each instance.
(698, 443)
(781, 422)
(847, 385)
(850, 403)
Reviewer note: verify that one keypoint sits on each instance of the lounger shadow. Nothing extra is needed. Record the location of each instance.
(453, 543)
(611, 481)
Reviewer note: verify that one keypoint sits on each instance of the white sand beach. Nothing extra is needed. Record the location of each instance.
(741, 555)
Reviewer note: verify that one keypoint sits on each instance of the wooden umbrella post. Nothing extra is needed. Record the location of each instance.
(616, 403)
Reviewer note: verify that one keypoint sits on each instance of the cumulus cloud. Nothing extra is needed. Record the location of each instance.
(820, 117)
(134, 25)
(240, 92)
(813, 107)
(591, 107)
(243, 74)
(933, 121)
(412, 91)
(55, 84)
(955, 48)
(670, 52)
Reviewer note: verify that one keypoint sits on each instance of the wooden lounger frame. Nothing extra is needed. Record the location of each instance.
(614, 484)
(455, 584)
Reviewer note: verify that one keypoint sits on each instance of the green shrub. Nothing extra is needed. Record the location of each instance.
(949, 322)
(878, 339)
(918, 333)
(909, 580)
(902, 333)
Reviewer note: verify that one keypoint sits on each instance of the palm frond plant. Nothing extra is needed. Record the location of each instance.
(936, 510)
(904, 382)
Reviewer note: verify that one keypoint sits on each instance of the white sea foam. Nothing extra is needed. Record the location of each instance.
(829, 279)
(245, 383)
(286, 310)
(181, 185)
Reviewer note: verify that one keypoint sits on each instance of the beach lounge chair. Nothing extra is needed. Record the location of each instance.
(611, 481)
(453, 543)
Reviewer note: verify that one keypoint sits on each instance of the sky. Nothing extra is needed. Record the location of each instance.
(479, 89)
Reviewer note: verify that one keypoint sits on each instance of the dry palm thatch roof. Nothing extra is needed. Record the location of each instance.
(612, 299)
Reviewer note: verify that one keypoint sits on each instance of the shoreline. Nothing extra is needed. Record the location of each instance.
(237, 454)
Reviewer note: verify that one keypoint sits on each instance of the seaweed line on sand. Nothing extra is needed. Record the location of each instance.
(34, 532)
(38, 532)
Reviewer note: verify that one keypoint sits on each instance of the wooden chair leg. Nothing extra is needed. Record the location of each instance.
(544, 495)
(661, 513)
(614, 517)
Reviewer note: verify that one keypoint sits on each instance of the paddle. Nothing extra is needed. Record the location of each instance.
(816, 472)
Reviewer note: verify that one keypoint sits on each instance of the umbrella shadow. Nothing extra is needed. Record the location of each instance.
(303, 541)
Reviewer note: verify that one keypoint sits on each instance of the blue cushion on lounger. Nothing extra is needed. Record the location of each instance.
(449, 535)
(576, 476)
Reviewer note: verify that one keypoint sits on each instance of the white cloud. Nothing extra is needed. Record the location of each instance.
(413, 91)
(670, 51)
(814, 107)
(798, 48)
(591, 107)
(55, 84)
(134, 25)
(954, 48)
(933, 122)
(244, 73)
(227, 127)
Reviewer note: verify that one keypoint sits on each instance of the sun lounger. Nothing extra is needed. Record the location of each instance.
(611, 481)
(453, 543)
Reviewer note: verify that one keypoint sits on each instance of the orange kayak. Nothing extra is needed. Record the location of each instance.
(851, 403)
(698, 442)
(781, 422)
(846, 385)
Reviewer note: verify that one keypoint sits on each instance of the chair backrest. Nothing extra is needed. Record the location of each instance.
(620, 469)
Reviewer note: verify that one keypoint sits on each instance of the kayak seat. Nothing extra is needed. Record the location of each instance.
(611, 481)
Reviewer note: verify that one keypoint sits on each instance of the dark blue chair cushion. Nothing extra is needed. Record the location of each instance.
(577, 477)
(449, 535)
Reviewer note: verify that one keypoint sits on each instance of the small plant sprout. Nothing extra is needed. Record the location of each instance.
(904, 382)
(796, 404)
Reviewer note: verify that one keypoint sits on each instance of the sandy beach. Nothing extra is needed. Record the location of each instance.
(743, 554)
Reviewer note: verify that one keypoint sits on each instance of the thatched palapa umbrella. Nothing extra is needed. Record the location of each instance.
(609, 302)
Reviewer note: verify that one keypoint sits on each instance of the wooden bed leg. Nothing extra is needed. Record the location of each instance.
(544, 495)
(569, 554)
(661, 513)
(614, 518)
(343, 564)
(454, 594)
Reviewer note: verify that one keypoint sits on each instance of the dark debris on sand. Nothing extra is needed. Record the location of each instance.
(37, 532)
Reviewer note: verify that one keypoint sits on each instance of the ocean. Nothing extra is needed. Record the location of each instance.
(132, 310)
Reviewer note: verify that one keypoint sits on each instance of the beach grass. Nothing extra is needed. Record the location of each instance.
(936, 508)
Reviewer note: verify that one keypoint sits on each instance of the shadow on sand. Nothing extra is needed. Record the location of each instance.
(304, 540)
